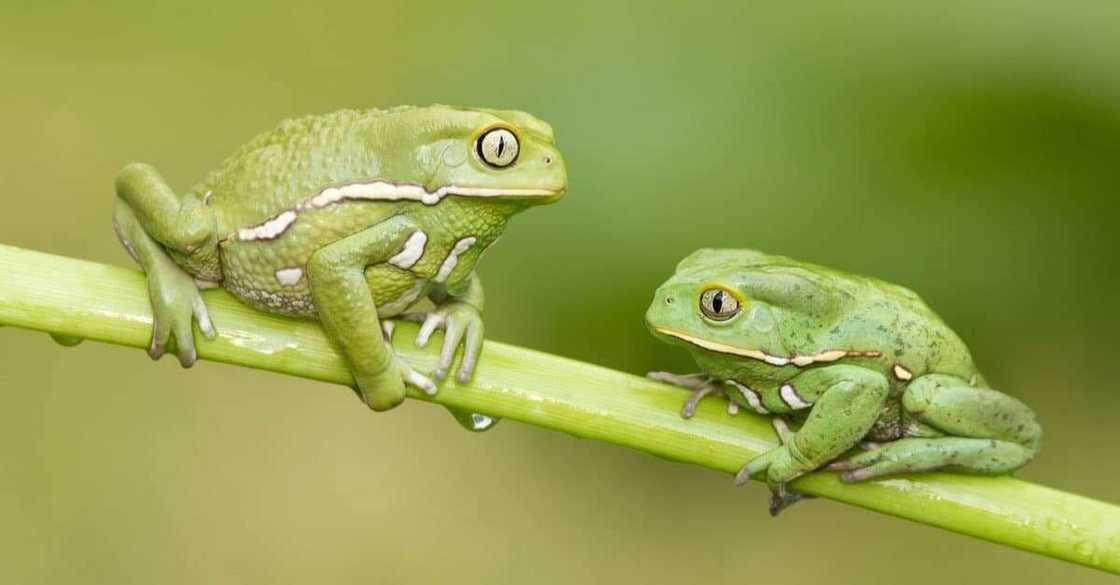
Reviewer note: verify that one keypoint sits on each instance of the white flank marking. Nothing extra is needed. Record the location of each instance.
(790, 397)
(452, 259)
(902, 373)
(269, 229)
(413, 250)
(775, 360)
(379, 191)
(386, 191)
(289, 276)
(752, 397)
(801, 360)
(829, 355)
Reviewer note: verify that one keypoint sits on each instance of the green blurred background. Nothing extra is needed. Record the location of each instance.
(970, 151)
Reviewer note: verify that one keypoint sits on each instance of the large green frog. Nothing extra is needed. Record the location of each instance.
(351, 218)
(853, 360)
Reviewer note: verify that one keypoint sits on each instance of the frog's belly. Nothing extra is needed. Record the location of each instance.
(274, 284)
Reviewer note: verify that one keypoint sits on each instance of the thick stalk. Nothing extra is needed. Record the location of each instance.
(74, 298)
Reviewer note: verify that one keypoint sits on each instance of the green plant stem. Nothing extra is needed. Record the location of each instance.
(77, 299)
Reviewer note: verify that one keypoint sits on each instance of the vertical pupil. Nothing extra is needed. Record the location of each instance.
(501, 144)
(717, 302)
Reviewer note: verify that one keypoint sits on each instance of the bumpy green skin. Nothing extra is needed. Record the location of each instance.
(850, 359)
(352, 218)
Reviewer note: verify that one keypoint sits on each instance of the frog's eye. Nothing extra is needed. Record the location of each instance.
(498, 148)
(718, 304)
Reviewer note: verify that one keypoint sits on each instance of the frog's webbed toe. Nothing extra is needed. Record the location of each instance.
(386, 389)
(472, 421)
(689, 408)
(176, 305)
(701, 385)
(462, 325)
(410, 376)
(689, 381)
(388, 326)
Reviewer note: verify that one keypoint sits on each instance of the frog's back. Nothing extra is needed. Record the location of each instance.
(916, 336)
(277, 169)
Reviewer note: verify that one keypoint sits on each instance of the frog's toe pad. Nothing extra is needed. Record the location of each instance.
(387, 329)
(202, 315)
(432, 322)
(157, 349)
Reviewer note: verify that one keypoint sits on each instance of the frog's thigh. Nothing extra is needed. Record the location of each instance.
(177, 221)
(955, 408)
(989, 432)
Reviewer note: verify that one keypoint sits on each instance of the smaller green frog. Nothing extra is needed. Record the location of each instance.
(854, 361)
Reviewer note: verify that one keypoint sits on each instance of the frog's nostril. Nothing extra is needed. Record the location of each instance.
(668, 300)
(547, 160)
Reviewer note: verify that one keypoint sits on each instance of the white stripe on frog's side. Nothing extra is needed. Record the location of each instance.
(375, 191)
(289, 276)
(792, 399)
(412, 252)
(387, 191)
(752, 397)
(828, 355)
(452, 259)
(269, 229)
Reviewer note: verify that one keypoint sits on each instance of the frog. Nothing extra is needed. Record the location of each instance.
(358, 219)
(857, 375)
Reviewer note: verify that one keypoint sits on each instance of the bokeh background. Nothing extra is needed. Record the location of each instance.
(968, 150)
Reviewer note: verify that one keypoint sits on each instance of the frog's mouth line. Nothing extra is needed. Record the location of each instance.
(828, 355)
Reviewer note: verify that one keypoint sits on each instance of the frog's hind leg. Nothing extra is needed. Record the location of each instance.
(985, 432)
(179, 222)
(149, 218)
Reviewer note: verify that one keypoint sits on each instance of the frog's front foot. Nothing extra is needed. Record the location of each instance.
(778, 467)
(176, 302)
(701, 385)
(386, 389)
(409, 375)
(461, 323)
